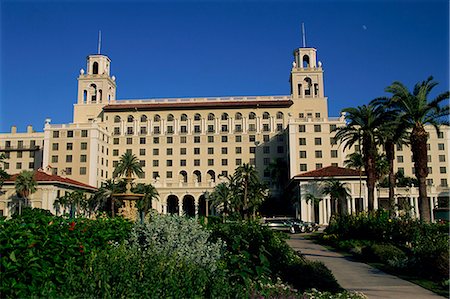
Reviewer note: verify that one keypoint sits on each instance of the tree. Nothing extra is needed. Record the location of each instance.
(105, 192)
(392, 133)
(144, 205)
(128, 165)
(337, 191)
(363, 125)
(25, 184)
(221, 198)
(246, 177)
(3, 174)
(416, 111)
(355, 161)
(278, 169)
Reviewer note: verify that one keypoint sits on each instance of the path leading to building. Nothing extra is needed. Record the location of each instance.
(356, 276)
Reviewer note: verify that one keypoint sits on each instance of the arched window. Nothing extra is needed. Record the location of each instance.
(117, 119)
(143, 118)
(100, 95)
(95, 68)
(85, 97)
(130, 118)
(316, 89)
(224, 116)
(211, 116)
(198, 176)
(93, 91)
(157, 117)
(170, 117)
(308, 84)
(197, 116)
(183, 176)
(238, 116)
(279, 115)
(184, 117)
(266, 115)
(251, 115)
(212, 175)
(305, 61)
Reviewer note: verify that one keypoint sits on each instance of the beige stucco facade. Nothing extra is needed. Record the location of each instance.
(187, 145)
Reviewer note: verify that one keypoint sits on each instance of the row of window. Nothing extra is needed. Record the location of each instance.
(69, 146)
(19, 165)
(197, 139)
(317, 128)
(198, 117)
(309, 115)
(20, 144)
(197, 129)
(197, 162)
(442, 170)
(70, 133)
(440, 157)
(32, 154)
(441, 146)
(318, 154)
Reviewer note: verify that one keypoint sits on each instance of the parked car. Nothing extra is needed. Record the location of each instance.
(290, 225)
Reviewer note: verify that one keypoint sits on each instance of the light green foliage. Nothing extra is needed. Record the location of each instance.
(181, 237)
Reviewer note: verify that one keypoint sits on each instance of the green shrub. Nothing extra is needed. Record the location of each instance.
(390, 255)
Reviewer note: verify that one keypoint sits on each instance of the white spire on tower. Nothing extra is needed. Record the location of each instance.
(303, 35)
(99, 41)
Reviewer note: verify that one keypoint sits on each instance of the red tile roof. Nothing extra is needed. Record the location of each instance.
(198, 105)
(42, 177)
(330, 171)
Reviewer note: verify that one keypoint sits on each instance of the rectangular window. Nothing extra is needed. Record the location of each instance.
(55, 146)
(129, 140)
(115, 140)
(444, 183)
(115, 152)
(279, 127)
(334, 153)
(442, 170)
(155, 175)
(224, 128)
(441, 135)
(169, 140)
(266, 161)
(183, 129)
(399, 147)
(266, 128)
(142, 163)
(196, 151)
(238, 128)
(210, 139)
(301, 115)
(68, 158)
(183, 139)
(84, 133)
(266, 149)
(196, 162)
(69, 134)
(318, 141)
(224, 139)
(169, 129)
(82, 170)
(333, 141)
(155, 151)
(252, 127)
(31, 165)
(318, 154)
(441, 158)
(252, 149)
(238, 138)
(169, 151)
(251, 138)
(302, 128)
(196, 139)
(55, 134)
(303, 167)
(156, 130)
(224, 162)
(210, 128)
(429, 182)
(224, 150)
(54, 159)
(69, 170)
(400, 159)
(441, 146)
(142, 152)
(182, 162)
(302, 154)
(142, 140)
(155, 163)
(238, 162)
(266, 138)
(252, 161)
(319, 165)
(19, 165)
(302, 141)
(19, 154)
(332, 128)
(143, 130)
(210, 162)
(169, 163)
(210, 151)
(130, 131)
(83, 158)
(169, 174)
(183, 151)
(197, 129)
(32, 154)
(238, 150)
(116, 131)
(155, 140)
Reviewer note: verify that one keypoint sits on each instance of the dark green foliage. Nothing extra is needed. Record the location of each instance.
(255, 251)
(410, 244)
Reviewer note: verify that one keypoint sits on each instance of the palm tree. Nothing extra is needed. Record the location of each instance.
(245, 176)
(128, 165)
(144, 205)
(416, 111)
(221, 198)
(259, 193)
(337, 191)
(105, 192)
(363, 125)
(392, 133)
(25, 185)
(355, 161)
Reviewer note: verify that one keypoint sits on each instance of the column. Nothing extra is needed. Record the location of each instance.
(244, 125)
(196, 203)
(272, 124)
(135, 125)
(204, 127)
(163, 127)
(258, 124)
(416, 205)
(149, 126)
(175, 126)
(189, 126)
(432, 207)
(180, 206)
(217, 124)
(122, 125)
(328, 209)
(231, 125)
(350, 205)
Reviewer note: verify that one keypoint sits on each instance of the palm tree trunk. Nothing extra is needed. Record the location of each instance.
(112, 207)
(369, 154)
(343, 206)
(390, 152)
(419, 150)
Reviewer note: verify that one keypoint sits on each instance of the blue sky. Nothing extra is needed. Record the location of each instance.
(213, 48)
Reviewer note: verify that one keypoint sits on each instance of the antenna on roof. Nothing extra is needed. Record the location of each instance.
(99, 41)
(303, 35)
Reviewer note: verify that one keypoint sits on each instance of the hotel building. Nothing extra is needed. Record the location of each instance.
(188, 145)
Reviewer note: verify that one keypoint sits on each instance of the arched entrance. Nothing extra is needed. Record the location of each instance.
(172, 205)
(202, 206)
(189, 205)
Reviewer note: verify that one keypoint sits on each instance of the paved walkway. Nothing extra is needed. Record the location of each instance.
(356, 276)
